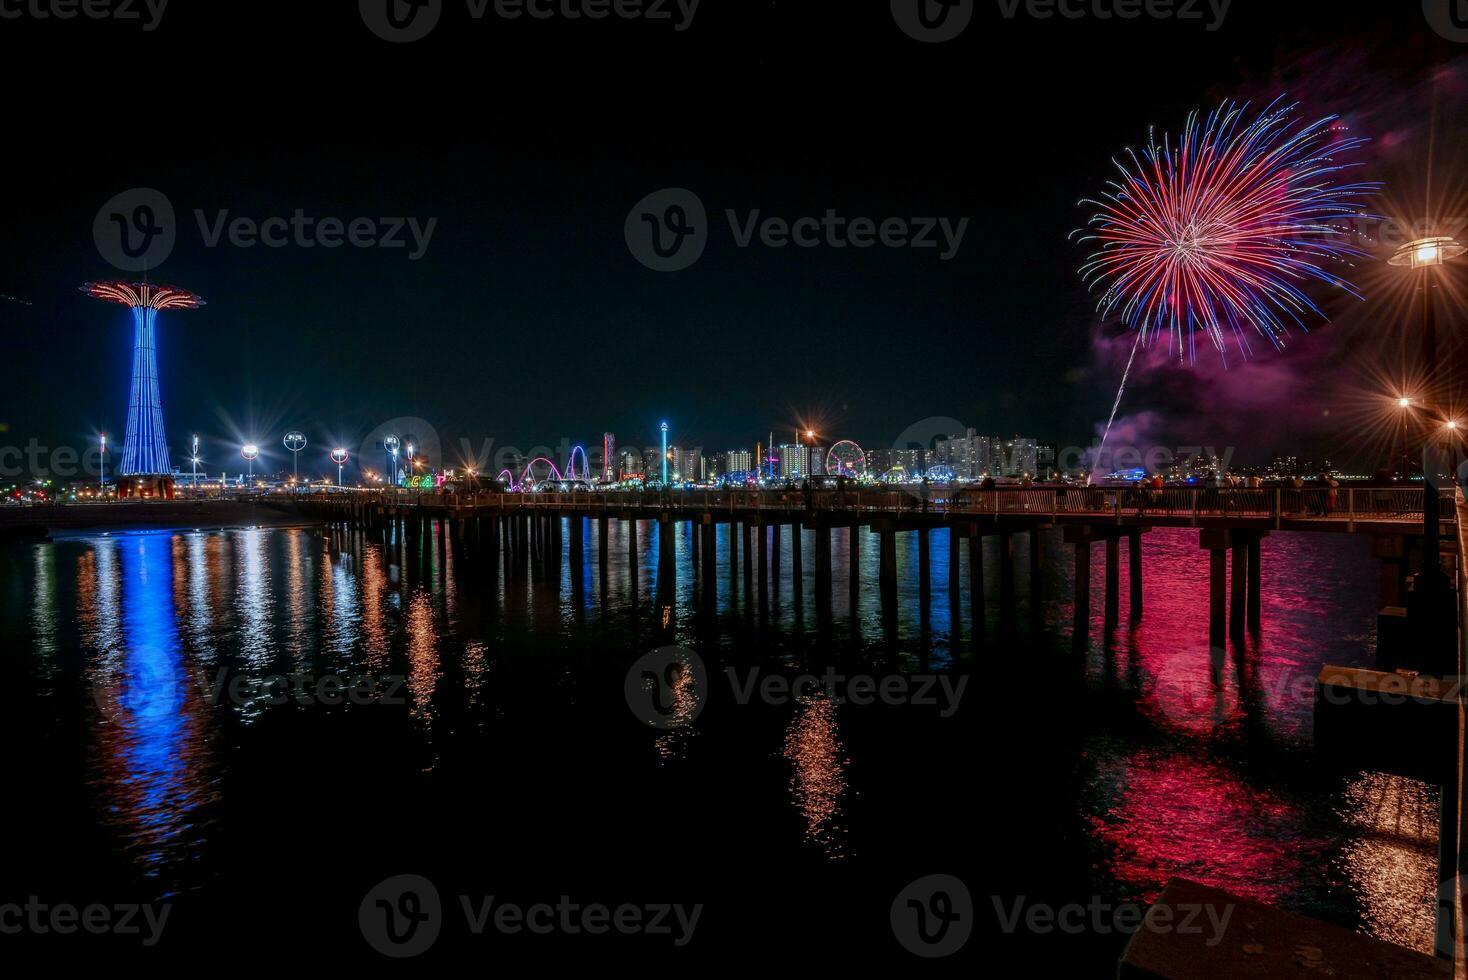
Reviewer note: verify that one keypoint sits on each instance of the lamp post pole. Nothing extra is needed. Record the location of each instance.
(102, 486)
(1424, 257)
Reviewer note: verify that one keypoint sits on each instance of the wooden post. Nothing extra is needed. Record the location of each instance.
(1081, 625)
(709, 551)
(1037, 555)
(888, 568)
(1256, 611)
(925, 566)
(745, 531)
(1239, 599)
(976, 582)
(1006, 573)
(823, 563)
(1217, 596)
(954, 562)
(1134, 573)
(733, 555)
(797, 565)
(775, 563)
(853, 574)
(1113, 581)
(763, 535)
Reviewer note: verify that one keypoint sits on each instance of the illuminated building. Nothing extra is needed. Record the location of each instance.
(738, 461)
(794, 461)
(145, 469)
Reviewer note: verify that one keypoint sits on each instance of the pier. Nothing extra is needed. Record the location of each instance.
(514, 530)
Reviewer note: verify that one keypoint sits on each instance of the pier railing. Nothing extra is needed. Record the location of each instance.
(1174, 505)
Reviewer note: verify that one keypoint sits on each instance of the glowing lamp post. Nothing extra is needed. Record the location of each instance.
(295, 442)
(1405, 405)
(339, 457)
(195, 460)
(391, 444)
(1423, 257)
(250, 452)
(102, 487)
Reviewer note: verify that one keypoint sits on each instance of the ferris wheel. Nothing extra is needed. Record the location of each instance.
(846, 459)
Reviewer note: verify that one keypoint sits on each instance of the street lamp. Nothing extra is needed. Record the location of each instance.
(295, 442)
(102, 487)
(195, 461)
(339, 457)
(250, 452)
(391, 444)
(1423, 257)
(1405, 404)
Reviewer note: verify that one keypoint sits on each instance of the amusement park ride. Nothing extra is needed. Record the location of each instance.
(145, 471)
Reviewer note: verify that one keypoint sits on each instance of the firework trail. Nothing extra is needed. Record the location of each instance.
(1220, 231)
(1111, 420)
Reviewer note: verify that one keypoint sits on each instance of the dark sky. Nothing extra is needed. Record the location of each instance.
(528, 320)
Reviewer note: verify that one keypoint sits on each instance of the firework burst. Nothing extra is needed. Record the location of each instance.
(1222, 230)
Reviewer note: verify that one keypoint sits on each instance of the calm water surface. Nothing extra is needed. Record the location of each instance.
(489, 746)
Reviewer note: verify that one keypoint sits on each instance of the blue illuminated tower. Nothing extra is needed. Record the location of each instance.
(145, 470)
(665, 455)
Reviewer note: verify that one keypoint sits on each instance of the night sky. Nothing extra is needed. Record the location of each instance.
(529, 321)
